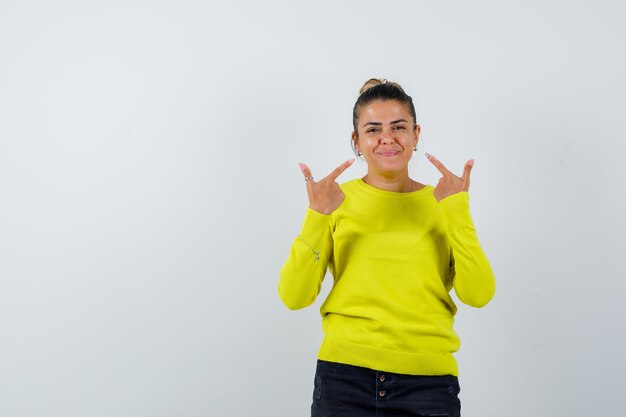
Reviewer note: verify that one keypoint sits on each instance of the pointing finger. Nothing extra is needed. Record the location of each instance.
(466, 174)
(308, 178)
(337, 171)
(438, 164)
(306, 171)
(467, 169)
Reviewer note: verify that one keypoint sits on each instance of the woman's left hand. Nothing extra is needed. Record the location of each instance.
(450, 184)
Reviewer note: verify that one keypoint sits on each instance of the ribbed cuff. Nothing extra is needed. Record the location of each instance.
(315, 228)
(456, 211)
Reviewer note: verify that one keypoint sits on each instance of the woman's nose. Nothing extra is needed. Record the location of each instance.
(386, 138)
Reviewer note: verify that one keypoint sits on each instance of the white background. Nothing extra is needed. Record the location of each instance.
(149, 194)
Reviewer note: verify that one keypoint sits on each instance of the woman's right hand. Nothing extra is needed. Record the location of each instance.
(325, 195)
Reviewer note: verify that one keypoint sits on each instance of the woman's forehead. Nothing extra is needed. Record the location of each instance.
(384, 112)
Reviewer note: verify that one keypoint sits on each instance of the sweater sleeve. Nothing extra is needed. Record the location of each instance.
(302, 274)
(474, 282)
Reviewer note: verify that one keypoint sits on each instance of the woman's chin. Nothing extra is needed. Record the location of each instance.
(390, 166)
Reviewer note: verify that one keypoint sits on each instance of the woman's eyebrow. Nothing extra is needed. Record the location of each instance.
(373, 124)
(380, 124)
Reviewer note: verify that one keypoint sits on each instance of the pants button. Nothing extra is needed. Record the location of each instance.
(381, 378)
(382, 393)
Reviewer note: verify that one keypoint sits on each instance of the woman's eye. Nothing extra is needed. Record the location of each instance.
(400, 127)
(371, 130)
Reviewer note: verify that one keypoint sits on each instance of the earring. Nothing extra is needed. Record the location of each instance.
(360, 153)
(415, 149)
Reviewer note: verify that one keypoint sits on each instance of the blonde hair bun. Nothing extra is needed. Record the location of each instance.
(372, 82)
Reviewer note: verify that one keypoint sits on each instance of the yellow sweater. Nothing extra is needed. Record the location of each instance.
(394, 258)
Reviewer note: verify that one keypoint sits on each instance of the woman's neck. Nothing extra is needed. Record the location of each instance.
(397, 183)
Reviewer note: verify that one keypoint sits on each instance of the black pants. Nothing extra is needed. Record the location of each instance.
(351, 391)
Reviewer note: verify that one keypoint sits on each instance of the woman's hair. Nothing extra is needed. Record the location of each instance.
(376, 89)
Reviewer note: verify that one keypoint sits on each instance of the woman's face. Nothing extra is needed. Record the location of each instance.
(386, 136)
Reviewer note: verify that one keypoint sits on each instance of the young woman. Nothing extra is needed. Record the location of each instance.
(395, 248)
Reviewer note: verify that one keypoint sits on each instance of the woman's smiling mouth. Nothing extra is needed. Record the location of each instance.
(388, 152)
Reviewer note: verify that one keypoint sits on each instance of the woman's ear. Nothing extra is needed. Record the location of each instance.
(355, 141)
(418, 129)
